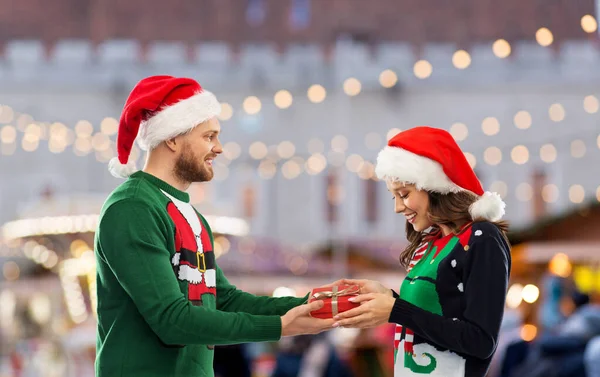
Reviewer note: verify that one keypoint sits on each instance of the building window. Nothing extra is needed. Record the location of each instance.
(249, 200)
(370, 201)
(256, 12)
(300, 14)
(333, 196)
(598, 14)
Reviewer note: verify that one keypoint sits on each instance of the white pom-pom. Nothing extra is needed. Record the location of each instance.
(119, 170)
(488, 207)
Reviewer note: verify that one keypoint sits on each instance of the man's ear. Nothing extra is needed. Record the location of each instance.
(172, 144)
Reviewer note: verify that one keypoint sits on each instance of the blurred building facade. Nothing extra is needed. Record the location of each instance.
(298, 163)
(284, 21)
(311, 91)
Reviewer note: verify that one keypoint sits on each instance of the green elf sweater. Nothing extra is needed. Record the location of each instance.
(163, 302)
(451, 304)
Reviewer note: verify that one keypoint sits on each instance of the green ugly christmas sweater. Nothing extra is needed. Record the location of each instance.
(451, 304)
(163, 302)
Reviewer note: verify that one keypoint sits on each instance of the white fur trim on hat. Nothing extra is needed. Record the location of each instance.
(400, 165)
(488, 207)
(119, 170)
(177, 119)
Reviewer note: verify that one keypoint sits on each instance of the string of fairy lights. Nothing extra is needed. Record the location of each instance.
(85, 141)
(284, 155)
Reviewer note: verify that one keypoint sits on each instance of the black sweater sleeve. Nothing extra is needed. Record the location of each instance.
(485, 284)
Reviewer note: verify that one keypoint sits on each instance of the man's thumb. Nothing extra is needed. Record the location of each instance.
(315, 305)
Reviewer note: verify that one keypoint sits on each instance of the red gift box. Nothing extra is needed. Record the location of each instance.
(335, 300)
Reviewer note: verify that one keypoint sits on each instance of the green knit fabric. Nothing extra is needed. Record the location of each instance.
(146, 324)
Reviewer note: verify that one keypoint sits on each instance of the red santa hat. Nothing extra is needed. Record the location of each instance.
(160, 107)
(430, 159)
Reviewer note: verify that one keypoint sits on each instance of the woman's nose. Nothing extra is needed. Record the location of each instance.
(399, 205)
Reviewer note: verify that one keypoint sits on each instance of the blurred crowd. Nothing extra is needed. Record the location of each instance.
(568, 340)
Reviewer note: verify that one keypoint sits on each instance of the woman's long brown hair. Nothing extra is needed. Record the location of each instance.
(450, 209)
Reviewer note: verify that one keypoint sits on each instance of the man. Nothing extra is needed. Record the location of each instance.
(163, 302)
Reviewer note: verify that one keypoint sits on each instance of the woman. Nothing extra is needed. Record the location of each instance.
(450, 306)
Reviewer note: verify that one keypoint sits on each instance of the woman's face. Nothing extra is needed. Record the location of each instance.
(412, 203)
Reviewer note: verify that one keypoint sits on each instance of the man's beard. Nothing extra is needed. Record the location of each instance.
(187, 169)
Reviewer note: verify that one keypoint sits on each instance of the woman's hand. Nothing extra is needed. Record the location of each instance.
(374, 310)
(366, 286)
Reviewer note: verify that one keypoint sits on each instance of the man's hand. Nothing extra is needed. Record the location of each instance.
(374, 310)
(366, 286)
(298, 321)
